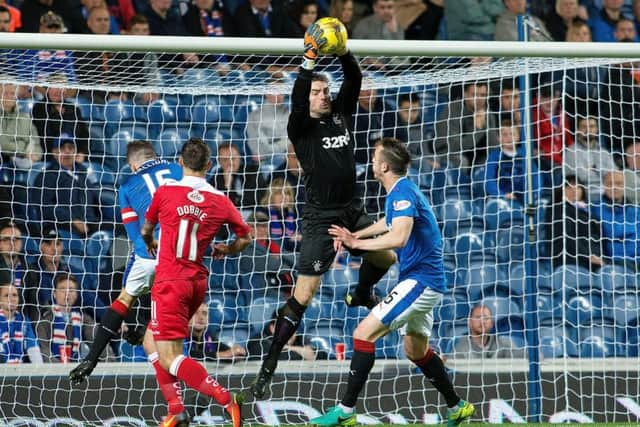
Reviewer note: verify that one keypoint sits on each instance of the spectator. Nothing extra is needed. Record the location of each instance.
(97, 67)
(240, 181)
(579, 32)
(508, 107)
(63, 194)
(482, 343)
(423, 23)
(625, 30)
(291, 173)
(279, 202)
(5, 20)
(472, 19)
(19, 142)
(507, 23)
(88, 5)
(267, 129)
(466, 129)
(587, 159)
(551, 128)
(636, 15)
(54, 117)
(603, 24)
(406, 125)
(15, 17)
(298, 347)
(506, 170)
(12, 260)
(560, 19)
(632, 173)
(367, 124)
(38, 280)
(381, 25)
(207, 18)
(141, 67)
(203, 346)
(619, 221)
(33, 10)
(63, 328)
(304, 13)
(343, 10)
(19, 343)
(263, 18)
(39, 65)
(270, 270)
(573, 235)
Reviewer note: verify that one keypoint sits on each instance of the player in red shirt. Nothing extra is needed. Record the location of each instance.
(190, 212)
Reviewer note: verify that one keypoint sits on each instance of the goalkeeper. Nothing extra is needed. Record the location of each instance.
(318, 129)
(135, 196)
(410, 227)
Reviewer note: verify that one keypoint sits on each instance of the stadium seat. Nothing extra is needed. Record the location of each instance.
(480, 280)
(160, 112)
(501, 213)
(598, 341)
(572, 279)
(326, 337)
(626, 310)
(449, 309)
(467, 248)
(234, 334)
(507, 314)
(100, 176)
(549, 313)
(517, 279)
(457, 216)
(204, 113)
(117, 112)
(614, 278)
(260, 313)
(168, 143)
(554, 343)
(199, 77)
(581, 310)
(510, 244)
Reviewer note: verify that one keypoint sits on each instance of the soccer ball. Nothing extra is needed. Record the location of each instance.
(336, 34)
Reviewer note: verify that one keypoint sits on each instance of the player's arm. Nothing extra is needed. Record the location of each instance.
(395, 238)
(239, 228)
(379, 227)
(129, 217)
(347, 98)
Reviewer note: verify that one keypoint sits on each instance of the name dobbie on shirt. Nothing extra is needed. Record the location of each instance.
(192, 211)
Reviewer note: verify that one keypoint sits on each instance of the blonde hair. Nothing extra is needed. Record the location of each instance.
(336, 8)
(278, 186)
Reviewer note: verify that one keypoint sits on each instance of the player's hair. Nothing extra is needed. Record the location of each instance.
(140, 150)
(337, 6)
(65, 276)
(195, 154)
(8, 223)
(138, 19)
(412, 98)
(318, 77)
(395, 154)
(278, 186)
(4, 10)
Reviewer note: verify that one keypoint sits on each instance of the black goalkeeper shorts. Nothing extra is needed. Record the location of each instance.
(316, 252)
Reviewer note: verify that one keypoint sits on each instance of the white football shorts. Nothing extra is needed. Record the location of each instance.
(138, 276)
(408, 308)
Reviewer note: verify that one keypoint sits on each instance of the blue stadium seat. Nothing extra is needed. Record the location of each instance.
(626, 310)
(450, 309)
(337, 282)
(573, 279)
(517, 279)
(260, 312)
(614, 278)
(99, 244)
(598, 341)
(205, 112)
(457, 216)
(549, 313)
(467, 248)
(554, 343)
(326, 337)
(480, 280)
(510, 245)
(199, 77)
(502, 213)
(169, 142)
(581, 310)
(100, 176)
(117, 112)
(160, 112)
(234, 334)
(216, 312)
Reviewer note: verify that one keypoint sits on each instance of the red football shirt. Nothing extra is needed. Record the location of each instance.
(190, 213)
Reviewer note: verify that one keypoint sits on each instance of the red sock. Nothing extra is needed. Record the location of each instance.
(195, 376)
(169, 386)
(120, 308)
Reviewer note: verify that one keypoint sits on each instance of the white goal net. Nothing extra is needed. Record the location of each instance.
(538, 263)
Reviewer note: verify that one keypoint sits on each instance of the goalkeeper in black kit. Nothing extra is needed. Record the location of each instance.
(319, 130)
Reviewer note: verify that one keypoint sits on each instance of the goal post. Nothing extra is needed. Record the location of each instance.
(460, 108)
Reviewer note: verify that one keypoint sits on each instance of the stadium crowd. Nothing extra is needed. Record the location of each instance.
(62, 161)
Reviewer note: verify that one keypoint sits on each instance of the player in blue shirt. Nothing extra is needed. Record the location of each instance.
(410, 228)
(135, 196)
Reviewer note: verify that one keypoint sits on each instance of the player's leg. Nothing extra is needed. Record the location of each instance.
(364, 349)
(287, 322)
(416, 346)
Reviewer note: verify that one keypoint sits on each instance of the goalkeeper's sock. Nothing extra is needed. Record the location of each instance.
(369, 275)
(289, 316)
(195, 376)
(109, 327)
(432, 367)
(169, 386)
(364, 356)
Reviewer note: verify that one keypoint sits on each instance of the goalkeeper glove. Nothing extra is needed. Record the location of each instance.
(313, 40)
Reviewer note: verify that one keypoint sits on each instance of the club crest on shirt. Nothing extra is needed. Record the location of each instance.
(399, 205)
(195, 196)
(337, 120)
(317, 265)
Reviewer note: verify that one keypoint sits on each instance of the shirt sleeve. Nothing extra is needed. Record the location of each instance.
(129, 215)
(235, 221)
(401, 204)
(152, 213)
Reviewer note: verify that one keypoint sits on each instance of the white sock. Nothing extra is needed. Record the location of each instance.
(345, 409)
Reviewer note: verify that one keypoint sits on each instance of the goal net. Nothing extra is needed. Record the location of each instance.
(535, 191)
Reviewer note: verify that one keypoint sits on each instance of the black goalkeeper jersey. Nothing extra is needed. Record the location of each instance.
(325, 146)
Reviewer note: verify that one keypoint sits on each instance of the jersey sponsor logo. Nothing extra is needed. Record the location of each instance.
(195, 196)
(337, 120)
(400, 205)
